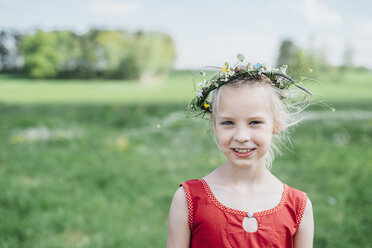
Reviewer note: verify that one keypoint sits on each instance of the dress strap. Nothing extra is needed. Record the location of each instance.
(297, 199)
(193, 188)
(186, 188)
(301, 209)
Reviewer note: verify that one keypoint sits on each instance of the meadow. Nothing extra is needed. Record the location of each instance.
(95, 163)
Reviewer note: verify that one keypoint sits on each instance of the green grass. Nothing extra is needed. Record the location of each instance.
(89, 174)
(352, 89)
(176, 88)
(338, 89)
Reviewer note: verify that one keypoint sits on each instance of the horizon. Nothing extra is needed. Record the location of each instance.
(205, 33)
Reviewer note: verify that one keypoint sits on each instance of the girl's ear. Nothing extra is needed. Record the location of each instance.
(279, 124)
(277, 128)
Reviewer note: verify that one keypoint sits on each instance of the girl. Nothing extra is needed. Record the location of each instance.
(241, 204)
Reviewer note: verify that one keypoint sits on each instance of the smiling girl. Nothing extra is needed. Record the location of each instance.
(241, 203)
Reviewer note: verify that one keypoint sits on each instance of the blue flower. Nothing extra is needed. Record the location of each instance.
(257, 66)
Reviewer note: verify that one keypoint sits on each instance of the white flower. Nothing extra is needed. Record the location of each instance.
(202, 84)
(283, 69)
(280, 81)
(199, 93)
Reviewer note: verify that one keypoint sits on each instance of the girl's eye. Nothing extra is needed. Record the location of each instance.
(227, 123)
(255, 122)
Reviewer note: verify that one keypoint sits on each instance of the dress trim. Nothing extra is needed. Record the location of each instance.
(301, 210)
(218, 204)
(189, 205)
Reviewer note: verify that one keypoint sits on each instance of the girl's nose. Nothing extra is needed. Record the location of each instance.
(242, 135)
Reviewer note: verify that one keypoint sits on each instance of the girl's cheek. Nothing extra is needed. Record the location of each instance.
(223, 135)
(226, 139)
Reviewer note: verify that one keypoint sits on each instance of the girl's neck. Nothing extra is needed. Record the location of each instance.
(252, 177)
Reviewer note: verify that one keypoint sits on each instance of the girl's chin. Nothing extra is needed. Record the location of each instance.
(245, 163)
(242, 164)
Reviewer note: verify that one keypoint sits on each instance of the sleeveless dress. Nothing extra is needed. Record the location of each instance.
(214, 225)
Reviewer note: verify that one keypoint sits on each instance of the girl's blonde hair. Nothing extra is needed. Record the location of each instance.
(285, 106)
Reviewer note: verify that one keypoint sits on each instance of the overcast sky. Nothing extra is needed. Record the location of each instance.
(212, 32)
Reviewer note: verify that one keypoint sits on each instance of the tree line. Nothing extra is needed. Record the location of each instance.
(97, 53)
(303, 62)
(119, 54)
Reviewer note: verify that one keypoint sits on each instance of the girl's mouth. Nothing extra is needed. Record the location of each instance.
(243, 153)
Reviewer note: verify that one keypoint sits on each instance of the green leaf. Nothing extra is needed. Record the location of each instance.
(240, 57)
(226, 64)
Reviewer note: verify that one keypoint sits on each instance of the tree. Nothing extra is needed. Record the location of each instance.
(88, 61)
(97, 53)
(67, 44)
(10, 59)
(115, 52)
(287, 53)
(155, 52)
(41, 58)
(4, 52)
(300, 62)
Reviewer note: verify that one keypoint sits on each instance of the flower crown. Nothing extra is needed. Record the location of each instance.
(278, 78)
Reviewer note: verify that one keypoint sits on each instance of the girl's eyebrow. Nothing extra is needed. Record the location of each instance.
(225, 117)
(250, 117)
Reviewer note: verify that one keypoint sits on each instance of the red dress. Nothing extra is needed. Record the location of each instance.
(214, 225)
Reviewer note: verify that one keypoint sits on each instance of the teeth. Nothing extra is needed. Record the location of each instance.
(243, 150)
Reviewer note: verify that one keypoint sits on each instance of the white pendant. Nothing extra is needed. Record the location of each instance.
(250, 223)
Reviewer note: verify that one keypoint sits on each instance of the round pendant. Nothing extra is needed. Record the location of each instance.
(250, 223)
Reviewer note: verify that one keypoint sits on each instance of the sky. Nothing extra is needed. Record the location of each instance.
(208, 33)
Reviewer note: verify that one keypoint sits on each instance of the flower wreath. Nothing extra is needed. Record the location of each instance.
(278, 78)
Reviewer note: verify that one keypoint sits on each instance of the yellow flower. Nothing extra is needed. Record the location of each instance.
(17, 139)
(225, 69)
(121, 143)
(206, 105)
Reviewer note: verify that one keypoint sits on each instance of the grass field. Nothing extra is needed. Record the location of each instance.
(341, 89)
(95, 164)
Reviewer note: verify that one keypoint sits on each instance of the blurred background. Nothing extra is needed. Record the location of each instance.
(94, 132)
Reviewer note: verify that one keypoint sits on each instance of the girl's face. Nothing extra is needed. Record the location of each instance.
(244, 124)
